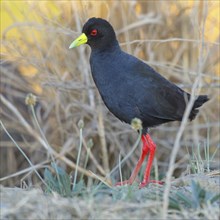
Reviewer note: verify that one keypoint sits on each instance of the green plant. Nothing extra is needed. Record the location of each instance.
(196, 197)
(60, 182)
(200, 163)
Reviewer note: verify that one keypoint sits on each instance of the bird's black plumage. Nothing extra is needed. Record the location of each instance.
(129, 87)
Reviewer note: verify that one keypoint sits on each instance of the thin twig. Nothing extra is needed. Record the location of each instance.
(78, 157)
(40, 165)
(168, 40)
(101, 130)
(22, 152)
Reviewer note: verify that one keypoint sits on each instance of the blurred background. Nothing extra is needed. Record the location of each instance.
(180, 39)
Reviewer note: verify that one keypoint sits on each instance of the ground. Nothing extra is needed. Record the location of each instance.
(126, 202)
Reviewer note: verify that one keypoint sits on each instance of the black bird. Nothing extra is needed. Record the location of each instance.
(132, 89)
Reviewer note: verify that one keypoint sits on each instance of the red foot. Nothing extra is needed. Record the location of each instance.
(126, 182)
(141, 185)
(144, 183)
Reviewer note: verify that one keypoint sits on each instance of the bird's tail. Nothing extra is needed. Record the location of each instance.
(198, 103)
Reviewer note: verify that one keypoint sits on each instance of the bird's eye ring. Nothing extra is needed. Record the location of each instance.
(93, 32)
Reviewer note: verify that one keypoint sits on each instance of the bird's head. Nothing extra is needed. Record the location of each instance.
(97, 33)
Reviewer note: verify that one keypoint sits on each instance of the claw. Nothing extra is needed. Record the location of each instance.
(126, 182)
(145, 183)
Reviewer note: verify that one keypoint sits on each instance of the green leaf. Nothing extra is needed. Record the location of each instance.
(185, 199)
(173, 204)
(63, 180)
(50, 180)
(195, 193)
(215, 198)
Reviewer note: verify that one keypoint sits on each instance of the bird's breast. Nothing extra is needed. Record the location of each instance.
(114, 88)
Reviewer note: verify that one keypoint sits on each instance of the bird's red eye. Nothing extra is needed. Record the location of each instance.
(93, 32)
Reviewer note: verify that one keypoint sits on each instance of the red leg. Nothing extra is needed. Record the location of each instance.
(148, 147)
(152, 148)
(145, 150)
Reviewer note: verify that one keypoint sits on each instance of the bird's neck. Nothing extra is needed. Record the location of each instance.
(107, 48)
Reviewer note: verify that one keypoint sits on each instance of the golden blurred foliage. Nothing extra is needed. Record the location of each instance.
(18, 17)
(26, 11)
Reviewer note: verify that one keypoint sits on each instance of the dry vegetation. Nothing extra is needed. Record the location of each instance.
(179, 39)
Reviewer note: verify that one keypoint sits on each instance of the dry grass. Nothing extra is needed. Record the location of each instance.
(175, 38)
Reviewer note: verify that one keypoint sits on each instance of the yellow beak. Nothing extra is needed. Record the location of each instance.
(82, 39)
